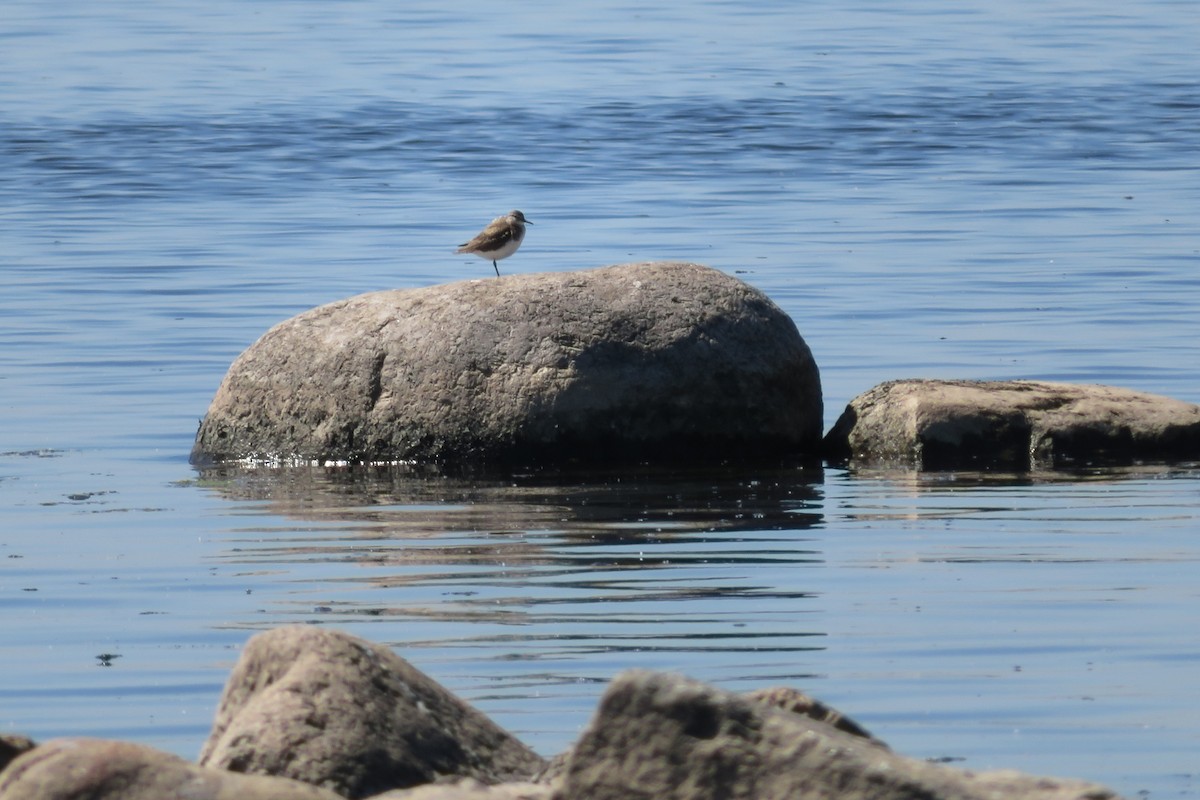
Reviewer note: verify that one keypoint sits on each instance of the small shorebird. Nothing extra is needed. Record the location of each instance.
(499, 240)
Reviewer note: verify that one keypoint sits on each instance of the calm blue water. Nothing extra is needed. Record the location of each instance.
(927, 189)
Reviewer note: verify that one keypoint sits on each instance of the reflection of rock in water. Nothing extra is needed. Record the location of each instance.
(627, 504)
(537, 548)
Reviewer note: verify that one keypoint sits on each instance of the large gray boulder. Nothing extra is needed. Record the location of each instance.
(668, 737)
(659, 361)
(97, 769)
(1015, 425)
(332, 710)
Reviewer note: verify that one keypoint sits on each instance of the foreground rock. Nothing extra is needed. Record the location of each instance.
(797, 702)
(658, 361)
(337, 712)
(75, 769)
(11, 746)
(471, 790)
(351, 719)
(670, 738)
(1016, 425)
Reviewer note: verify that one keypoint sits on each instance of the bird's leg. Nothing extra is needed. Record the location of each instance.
(496, 268)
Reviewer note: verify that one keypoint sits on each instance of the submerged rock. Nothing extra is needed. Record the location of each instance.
(672, 738)
(1016, 425)
(338, 712)
(658, 361)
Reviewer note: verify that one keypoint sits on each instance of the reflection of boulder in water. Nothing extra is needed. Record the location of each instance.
(663, 362)
(390, 501)
(452, 536)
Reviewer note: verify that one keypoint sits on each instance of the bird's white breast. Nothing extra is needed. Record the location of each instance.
(506, 250)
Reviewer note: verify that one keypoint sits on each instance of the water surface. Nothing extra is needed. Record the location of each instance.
(928, 190)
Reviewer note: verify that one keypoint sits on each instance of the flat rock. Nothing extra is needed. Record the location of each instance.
(1015, 425)
(659, 361)
(96, 769)
(335, 711)
(668, 737)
